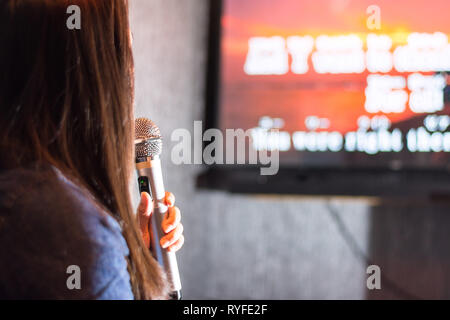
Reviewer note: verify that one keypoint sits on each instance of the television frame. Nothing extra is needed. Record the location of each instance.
(330, 181)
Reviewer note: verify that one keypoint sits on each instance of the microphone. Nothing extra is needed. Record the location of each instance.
(148, 145)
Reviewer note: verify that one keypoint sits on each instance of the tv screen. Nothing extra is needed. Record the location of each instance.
(343, 88)
(346, 83)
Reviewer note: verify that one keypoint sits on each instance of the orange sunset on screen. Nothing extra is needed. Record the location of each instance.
(292, 97)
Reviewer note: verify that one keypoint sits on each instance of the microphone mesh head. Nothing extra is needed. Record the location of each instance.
(148, 138)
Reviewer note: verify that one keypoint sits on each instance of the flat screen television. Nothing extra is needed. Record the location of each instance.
(358, 93)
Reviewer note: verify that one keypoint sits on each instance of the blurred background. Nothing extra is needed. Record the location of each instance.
(274, 246)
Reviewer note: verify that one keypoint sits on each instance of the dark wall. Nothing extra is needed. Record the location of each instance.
(273, 247)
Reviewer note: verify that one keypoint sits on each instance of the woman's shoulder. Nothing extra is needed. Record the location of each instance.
(46, 193)
(48, 224)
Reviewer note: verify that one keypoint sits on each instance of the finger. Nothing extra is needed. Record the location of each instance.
(177, 245)
(169, 199)
(172, 236)
(171, 219)
(145, 207)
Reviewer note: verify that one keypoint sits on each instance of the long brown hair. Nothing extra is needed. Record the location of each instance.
(66, 98)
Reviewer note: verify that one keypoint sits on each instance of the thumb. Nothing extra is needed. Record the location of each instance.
(143, 215)
(145, 206)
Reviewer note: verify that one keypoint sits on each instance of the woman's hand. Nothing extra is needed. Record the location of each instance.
(171, 225)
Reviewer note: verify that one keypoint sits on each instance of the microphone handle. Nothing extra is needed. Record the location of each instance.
(150, 175)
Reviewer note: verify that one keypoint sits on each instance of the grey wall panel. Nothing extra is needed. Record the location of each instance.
(272, 247)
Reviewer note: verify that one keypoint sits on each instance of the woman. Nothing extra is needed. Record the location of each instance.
(66, 157)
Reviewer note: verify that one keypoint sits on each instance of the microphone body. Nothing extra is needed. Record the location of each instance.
(150, 179)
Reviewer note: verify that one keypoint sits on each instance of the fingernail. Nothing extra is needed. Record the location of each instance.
(165, 244)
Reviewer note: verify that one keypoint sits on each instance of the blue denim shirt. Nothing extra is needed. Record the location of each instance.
(47, 224)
